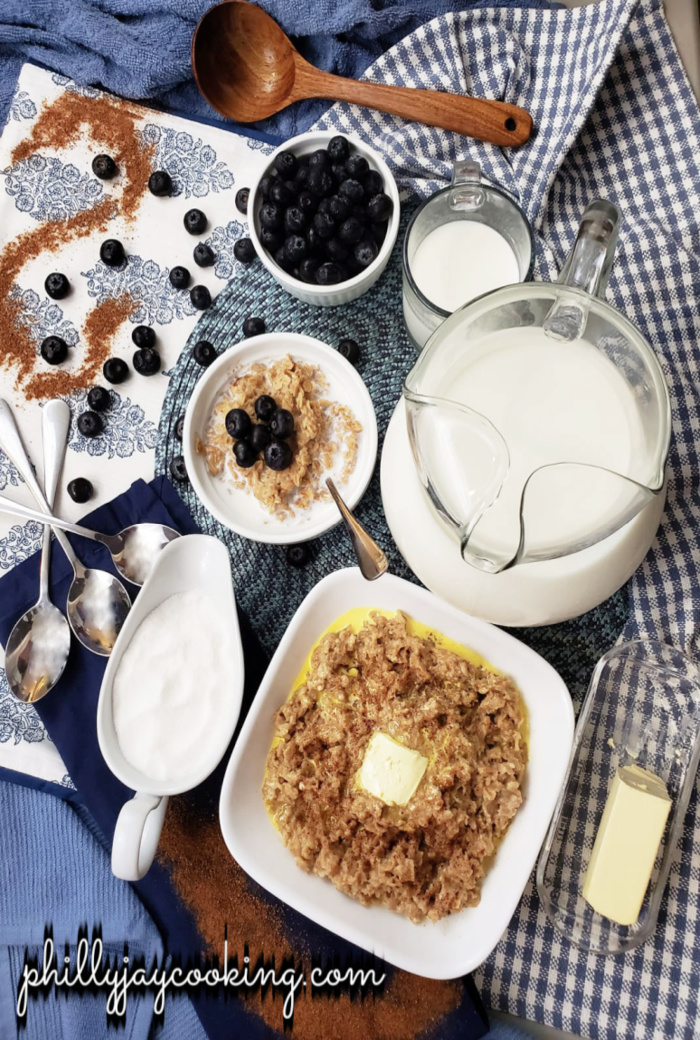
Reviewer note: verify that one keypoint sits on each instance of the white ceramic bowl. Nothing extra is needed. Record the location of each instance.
(457, 944)
(238, 509)
(343, 292)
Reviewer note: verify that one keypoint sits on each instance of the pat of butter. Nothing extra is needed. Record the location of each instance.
(391, 771)
(626, 845)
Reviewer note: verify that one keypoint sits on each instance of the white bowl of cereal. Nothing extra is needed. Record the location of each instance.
(334, 435)
(459, 739)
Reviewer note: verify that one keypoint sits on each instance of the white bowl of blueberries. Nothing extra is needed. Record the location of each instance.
(324, 217)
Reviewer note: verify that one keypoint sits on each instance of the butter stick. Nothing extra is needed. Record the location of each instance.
(626, 845)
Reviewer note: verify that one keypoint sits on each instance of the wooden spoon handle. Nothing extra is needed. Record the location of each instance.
(494, 121)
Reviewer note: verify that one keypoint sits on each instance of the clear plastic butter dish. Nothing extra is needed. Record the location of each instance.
(643, 709)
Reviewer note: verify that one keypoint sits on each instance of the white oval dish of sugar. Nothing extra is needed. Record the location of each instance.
(460, 260)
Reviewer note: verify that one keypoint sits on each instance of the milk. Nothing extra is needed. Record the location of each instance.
(460, 260)
(551, 402)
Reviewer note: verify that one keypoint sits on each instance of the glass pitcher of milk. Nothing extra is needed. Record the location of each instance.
(538, 415)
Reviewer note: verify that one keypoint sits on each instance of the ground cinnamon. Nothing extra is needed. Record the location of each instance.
(218, 892)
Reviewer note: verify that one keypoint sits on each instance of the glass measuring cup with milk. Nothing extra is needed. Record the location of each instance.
(465, 240)
(538, 416)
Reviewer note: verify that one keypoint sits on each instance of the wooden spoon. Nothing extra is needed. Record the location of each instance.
(247, 69)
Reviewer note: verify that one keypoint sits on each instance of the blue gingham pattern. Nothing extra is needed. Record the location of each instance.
(616, 118)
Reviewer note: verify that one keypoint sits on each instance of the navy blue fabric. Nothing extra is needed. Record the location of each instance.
(141, 48)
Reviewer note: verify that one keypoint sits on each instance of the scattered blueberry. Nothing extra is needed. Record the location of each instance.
(203, 255)
(99, 399)
(115, 370)
(178, 469)
(179, 428)
(143, 336)
(265, 407)
(286, 164)
(350, 350)
(146, 361)
(282, 424)
(260, 436)
(104, 167)
(242, 196)
(54, 350)
(159, 183)
(253, 327)
(244, 250)
(195, 222)
(80, 489)
(338, 149)
(298, 555)
(179, 277)
(278, 455)
(90, 424)
(112, 252)
(200, 297)
(57, 286)
(204, 353)
(379, 208)
(245, 454)
(238, 424)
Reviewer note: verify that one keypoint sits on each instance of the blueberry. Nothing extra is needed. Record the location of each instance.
(308, 268)
(260, 437)
(242, 196)
(159, 183)
(178, 469)
(352, 190)
(179, 277)
(373, 183)
(338, 173)
(204, 353)
(325, 225)
(146, 361)
(271, 216)
(238, 424)
(366, 251)
(319, 160)
(265, 185)
(378, 232)
(57, 286)
(104, 167)
(195, 222)
(316, 243)
(351, 231)
(324, 206)
(200, 297)
(338, 148)
(265, 407)
(306, 202)
(90, 424)
(245, 454)
(349, 350)
(281, 193)
(115, 370)
(253, 327)
(295, 220)
(320, 182)
(203, 255)
(337, 250)
(272, 240)
(179, 428)
(379, 208)
(295, 248)
(298, 555)
(99, 399)
(329, 274)
(282, 260)
(244, 251)
(356, 166)
(112, 253)
(286, 164)
(339, 207)
(54, 350)
(80, 489)
(144, 336)
(282, 424)
(278, 455)
(301, 177)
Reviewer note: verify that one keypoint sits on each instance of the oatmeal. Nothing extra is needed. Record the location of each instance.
(325, 436)
(425, 858)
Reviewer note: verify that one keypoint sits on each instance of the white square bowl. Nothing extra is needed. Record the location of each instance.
(459, 943)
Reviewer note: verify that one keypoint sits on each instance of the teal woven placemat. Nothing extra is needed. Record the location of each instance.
(268, 589)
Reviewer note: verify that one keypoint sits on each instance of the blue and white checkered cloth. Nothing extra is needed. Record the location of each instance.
(616, 118)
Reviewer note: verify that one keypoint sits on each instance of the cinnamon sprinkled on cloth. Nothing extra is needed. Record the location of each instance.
(217, 892)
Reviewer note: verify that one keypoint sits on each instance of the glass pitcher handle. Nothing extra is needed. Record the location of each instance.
(467, 193)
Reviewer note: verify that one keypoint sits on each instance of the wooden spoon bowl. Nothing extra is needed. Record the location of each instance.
(248, 69)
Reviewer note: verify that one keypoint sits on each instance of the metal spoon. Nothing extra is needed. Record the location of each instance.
(37, 647)
(97, 602)
(371, 559)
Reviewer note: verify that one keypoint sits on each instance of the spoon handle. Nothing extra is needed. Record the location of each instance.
(371, 559)
(494, 121)
(7, 505)
(55, 420)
